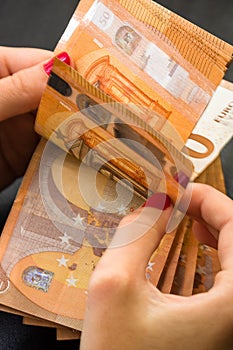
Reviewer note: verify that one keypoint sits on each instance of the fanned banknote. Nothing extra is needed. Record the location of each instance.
(117, 122)
(213, 130)
(109, 135)
(140, 52)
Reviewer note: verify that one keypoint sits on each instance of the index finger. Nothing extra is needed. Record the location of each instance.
(13, 59)
(216, 210)
(211, 206)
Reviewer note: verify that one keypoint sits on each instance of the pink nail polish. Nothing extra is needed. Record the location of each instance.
(62, 56)
(182, 179)
(158, 200)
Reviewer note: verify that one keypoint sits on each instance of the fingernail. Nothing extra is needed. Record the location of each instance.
(158, 200)
(174, 220)
(182, 179)
(63, 56)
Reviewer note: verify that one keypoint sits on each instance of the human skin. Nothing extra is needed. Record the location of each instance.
(22, 80)
(125, 311)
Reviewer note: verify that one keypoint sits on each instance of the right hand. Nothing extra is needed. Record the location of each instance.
(125, 311)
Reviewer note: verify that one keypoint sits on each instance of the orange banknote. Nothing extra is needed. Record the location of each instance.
(140, 80)
(140, 53)
(54, 239)
(109, 136)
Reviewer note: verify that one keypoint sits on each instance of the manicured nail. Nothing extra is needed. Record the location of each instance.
(181, 178)
(158, 200)
(62, 56)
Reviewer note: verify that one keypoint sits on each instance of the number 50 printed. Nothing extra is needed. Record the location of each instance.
(102, 17)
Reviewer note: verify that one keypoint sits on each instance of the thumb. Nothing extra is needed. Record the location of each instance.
(21, 92)
(137, 237)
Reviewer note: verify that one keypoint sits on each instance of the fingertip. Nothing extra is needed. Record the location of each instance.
(62, 56)
(158, 200)
(203, 235)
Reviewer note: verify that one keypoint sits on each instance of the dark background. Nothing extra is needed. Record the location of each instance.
(40, 24)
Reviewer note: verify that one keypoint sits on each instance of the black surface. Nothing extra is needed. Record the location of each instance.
(40, 24)
(34, 23)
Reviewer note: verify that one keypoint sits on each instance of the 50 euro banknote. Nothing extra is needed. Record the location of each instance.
(141, 53)
(213, 130)
(109, 136)
(143, 56)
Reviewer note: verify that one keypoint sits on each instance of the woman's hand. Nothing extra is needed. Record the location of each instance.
(126, 312)
(22, 81)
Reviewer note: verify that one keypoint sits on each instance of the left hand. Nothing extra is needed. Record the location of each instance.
(22, 81)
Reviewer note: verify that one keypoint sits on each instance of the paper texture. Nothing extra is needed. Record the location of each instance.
(213, 130)
(139, 75)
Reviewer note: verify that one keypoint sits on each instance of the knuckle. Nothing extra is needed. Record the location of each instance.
(20, 83)
(22, 87)
(108, 284)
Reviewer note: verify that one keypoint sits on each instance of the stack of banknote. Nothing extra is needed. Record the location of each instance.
(139, 111)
